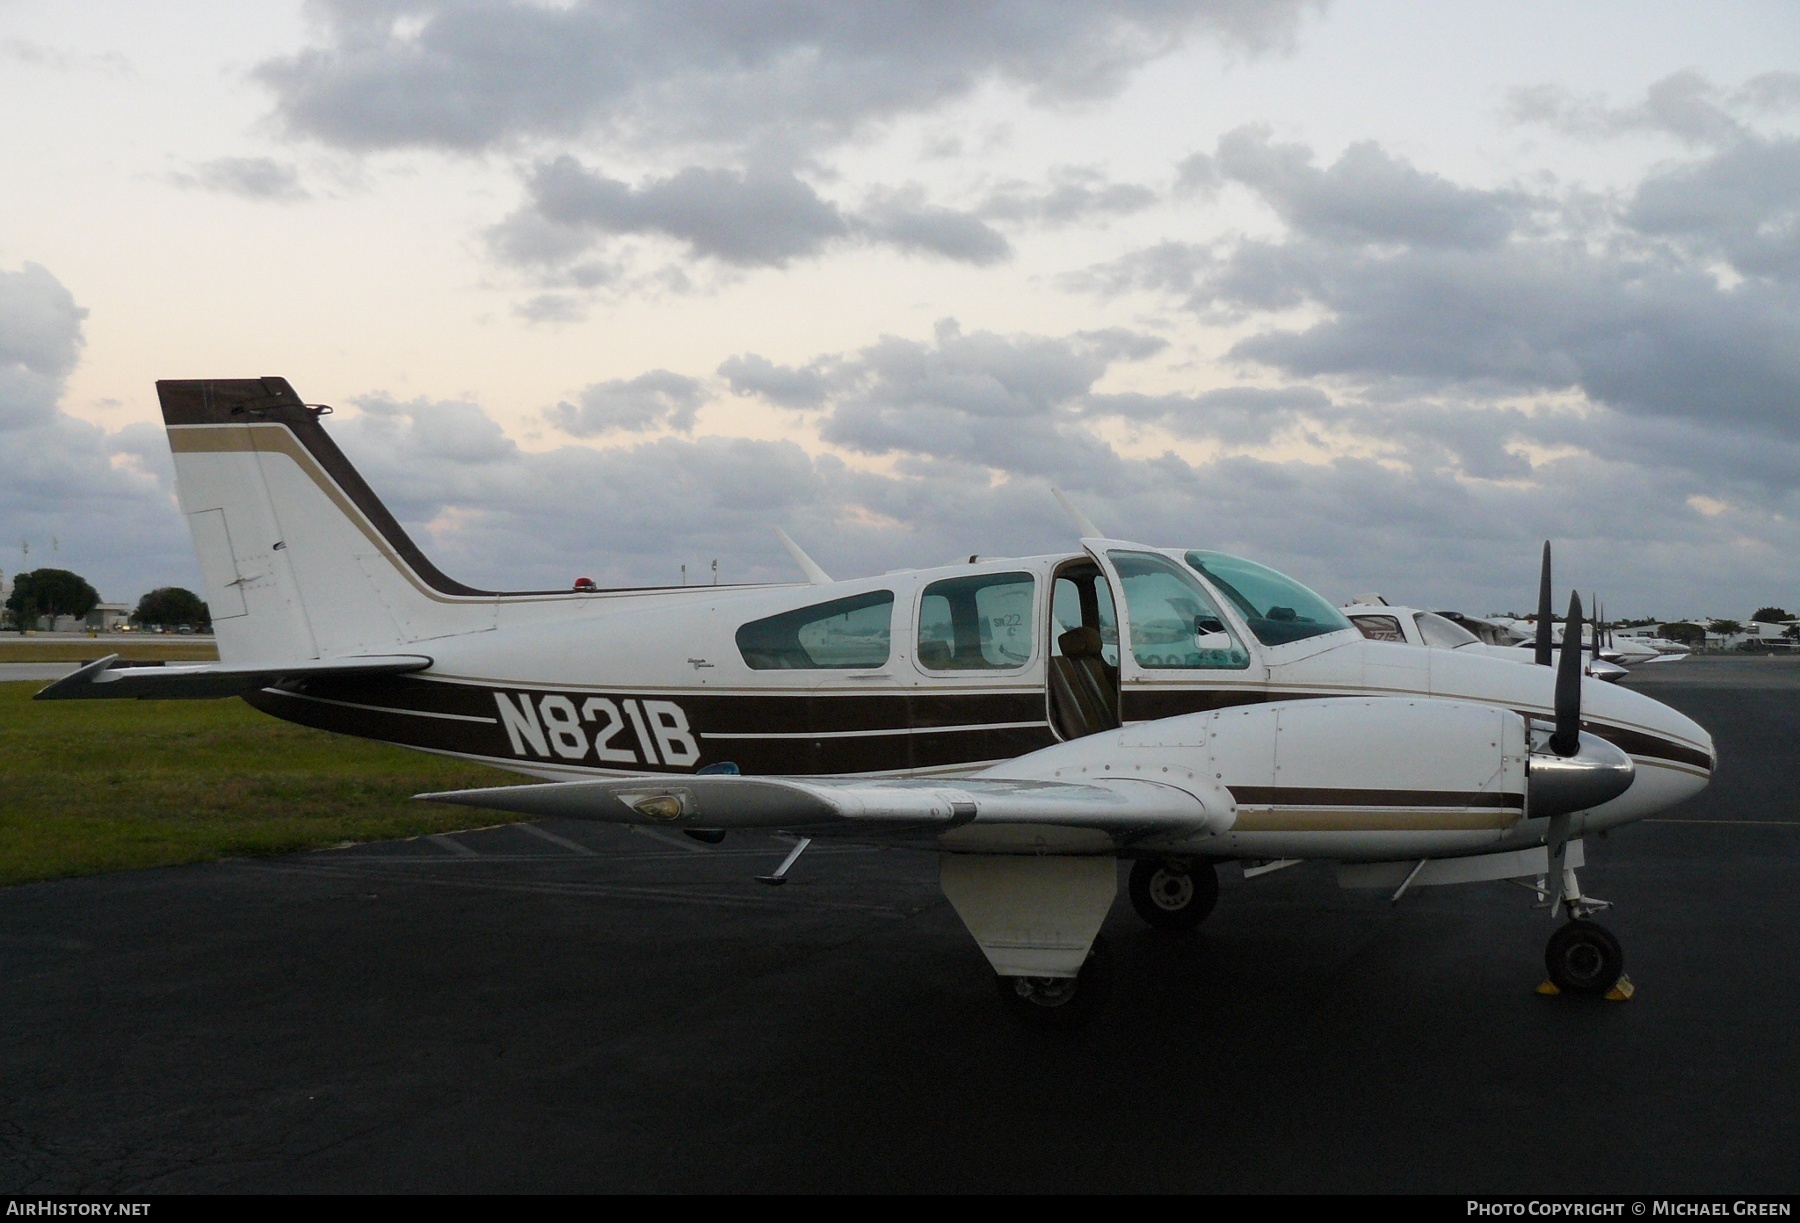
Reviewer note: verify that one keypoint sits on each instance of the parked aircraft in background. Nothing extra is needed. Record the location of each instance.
(1382, 621)
(1032, 720)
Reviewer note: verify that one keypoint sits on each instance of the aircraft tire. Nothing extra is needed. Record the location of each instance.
(1170, 899)
(1584, 958)
(1061, 1003)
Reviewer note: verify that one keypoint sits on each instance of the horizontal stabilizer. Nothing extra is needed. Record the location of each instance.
(107, 679)
(826, 805)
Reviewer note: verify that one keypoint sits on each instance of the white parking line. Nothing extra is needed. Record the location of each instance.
(445, 842)
(546, 835)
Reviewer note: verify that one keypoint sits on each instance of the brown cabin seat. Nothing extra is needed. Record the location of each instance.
(1083, 687)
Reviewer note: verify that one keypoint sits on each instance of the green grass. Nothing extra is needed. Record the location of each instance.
(89, 786)
(14, 648)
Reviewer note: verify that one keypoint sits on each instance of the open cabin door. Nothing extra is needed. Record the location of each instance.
(1082, 678)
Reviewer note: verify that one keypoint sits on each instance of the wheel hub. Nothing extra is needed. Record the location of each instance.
(1583, 961)
(1171, 891)
(1045, 991)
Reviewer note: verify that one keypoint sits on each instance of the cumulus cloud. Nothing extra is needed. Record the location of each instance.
(902, 219)
(1685, 105)
(759, 217)
(656, 400)
(977, 399)
(40, 340)
(633, 513)
(1415, 287)
(784, 386)
(1073, 193)
(1243, 415)
(1741, 204)
(457, 75)
(1365, 196)
(106, 497)
(250, 178)
(39, 55)
(551, 308)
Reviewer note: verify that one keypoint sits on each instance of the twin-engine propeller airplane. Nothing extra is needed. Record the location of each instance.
(1031, 720)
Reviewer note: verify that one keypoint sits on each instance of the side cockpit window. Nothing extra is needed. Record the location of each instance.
(979, 623)
(1379, 628)
(1174, 623)
(843, 634)
(1442, 633)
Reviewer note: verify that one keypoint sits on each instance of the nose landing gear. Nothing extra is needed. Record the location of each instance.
(1584, 957)
(1174, 893)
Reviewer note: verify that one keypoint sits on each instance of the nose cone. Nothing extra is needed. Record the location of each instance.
(1597, 773)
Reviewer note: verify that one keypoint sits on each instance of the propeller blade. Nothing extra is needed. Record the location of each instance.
(1566, 740)
(1594, 602)
(1544, 608)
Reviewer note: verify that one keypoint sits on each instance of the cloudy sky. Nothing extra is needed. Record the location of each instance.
(1380, 293)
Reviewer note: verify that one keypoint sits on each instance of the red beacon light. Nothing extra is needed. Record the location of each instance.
(585, 584)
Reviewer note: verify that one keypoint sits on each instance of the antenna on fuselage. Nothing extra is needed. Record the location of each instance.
(1083, 523)
(808, 566)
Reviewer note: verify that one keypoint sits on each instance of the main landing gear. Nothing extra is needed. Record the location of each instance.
(1061, 1002)
(1174, 893)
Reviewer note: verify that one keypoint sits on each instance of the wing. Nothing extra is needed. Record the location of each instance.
(824, 806)
(106, 679)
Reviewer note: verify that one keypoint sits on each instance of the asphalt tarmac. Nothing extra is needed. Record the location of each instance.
(584, 1008)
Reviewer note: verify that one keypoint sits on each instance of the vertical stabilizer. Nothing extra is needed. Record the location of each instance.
(301, 560)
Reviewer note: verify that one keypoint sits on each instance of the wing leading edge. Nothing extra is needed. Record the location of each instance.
(822, 806)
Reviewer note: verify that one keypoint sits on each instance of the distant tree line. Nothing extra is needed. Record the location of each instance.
(172, 605)
(49, 592)
(54, 593)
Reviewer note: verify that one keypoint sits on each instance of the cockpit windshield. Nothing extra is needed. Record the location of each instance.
(1278, 608)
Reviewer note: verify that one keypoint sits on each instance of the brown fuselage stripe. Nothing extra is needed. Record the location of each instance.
(1315, 820)
(1304, 796)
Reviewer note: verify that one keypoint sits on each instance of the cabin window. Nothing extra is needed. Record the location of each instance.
(979, 623)
(840, 635)
(1379, 628)
(1084, 598)
(1174, 622)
